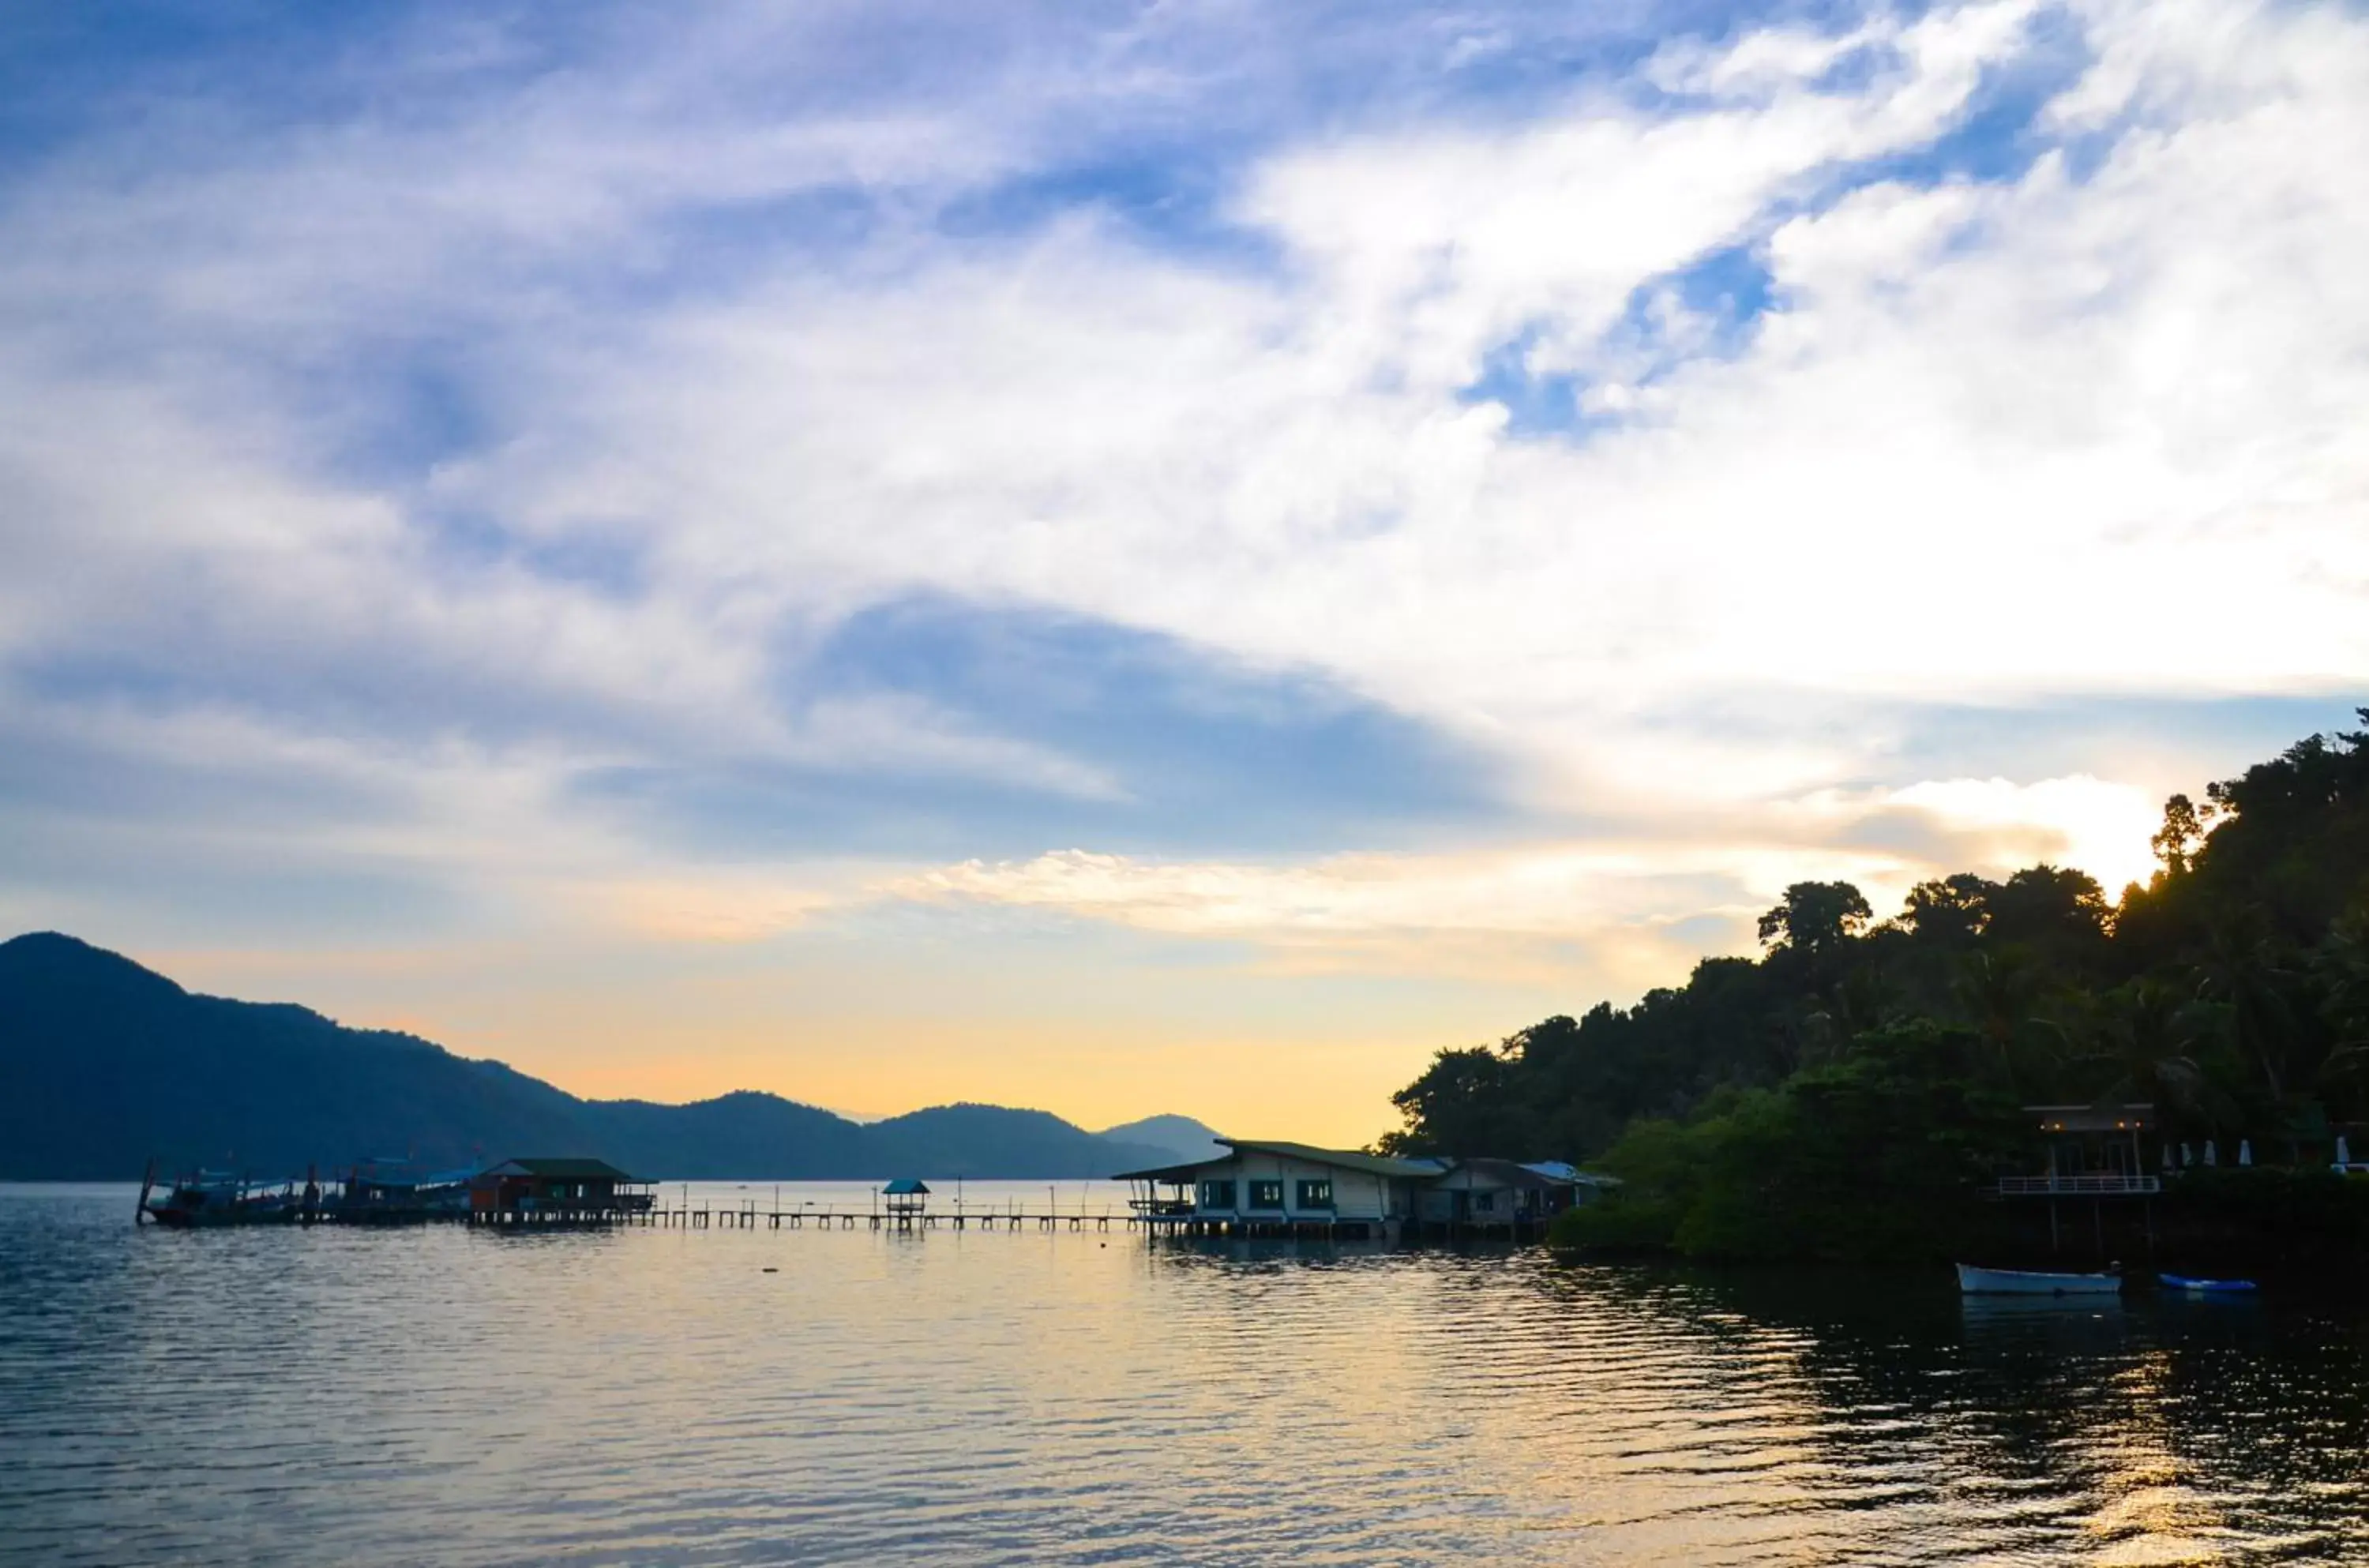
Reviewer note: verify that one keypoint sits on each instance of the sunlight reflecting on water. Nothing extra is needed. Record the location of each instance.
(655, 1396)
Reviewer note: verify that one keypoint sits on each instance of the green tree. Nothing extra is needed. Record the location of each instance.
(2242, 977)
(2343, 969)
(2144, 1047)
(1770, 1103)
(1951, 911)
(2060, 911)
(1461, 1105)
(1999, 993)
(1816, 917)
(2183, 830)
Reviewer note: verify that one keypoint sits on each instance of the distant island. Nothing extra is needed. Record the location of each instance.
(108, 1064)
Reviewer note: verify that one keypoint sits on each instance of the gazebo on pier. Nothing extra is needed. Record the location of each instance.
(908, 1199)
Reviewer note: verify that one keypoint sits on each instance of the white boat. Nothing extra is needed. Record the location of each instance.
(1973, 1281)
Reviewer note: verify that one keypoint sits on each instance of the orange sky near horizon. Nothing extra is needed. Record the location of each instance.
(769, 1026)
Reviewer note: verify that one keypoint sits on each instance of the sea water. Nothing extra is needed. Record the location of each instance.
(446, 1395)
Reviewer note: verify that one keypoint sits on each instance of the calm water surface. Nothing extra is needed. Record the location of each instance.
(437, 1395)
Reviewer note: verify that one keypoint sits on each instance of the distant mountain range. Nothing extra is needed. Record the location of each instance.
(104, 1064)
(1181, 1137)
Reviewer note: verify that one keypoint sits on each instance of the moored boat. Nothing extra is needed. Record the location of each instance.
(1973, 1281)
(394, 1192)
(208, 1198)
(2189, 1284)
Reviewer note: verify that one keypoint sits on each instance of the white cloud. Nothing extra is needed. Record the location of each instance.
(2001, 441)
(2095, 826)
(1602, 904)
(2093, 428)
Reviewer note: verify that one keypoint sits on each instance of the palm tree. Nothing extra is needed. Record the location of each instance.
(2144, 1041)
(1996, 991)
(2245, 982)
(2342, 964)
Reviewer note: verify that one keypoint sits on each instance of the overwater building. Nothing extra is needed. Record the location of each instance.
(546, 1189)
(1262, 1187)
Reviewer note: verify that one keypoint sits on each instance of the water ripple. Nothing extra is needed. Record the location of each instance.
(655, 1397)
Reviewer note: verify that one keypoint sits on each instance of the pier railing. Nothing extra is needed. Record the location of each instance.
(2099, 1185)
(1156, 1206)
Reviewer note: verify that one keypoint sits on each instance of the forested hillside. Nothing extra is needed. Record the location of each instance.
(1846, 1092)
(105, 1064)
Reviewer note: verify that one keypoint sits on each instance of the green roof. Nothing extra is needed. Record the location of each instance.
(1346, 1159)
(1340, 1159)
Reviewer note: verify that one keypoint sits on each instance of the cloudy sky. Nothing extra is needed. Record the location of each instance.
(1135, 557)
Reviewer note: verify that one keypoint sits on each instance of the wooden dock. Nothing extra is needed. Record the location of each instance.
(749, 1216)
(754, 1214)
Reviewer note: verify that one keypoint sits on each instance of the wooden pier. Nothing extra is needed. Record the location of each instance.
(751, 1215)
(754, 1214)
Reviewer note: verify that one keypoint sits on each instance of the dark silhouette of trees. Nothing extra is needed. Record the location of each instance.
(2183, 830)
(1952, 911)
(1816, 917)
(2231, 989)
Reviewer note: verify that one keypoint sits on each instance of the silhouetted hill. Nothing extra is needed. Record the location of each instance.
(104, 1064)
(1180, 1138)
(744, 1135)
(993, 1141)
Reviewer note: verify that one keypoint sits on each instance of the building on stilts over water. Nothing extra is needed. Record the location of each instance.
(1481, 1195)
(2098, 1188)
(551, 1191)
(1269, 1188)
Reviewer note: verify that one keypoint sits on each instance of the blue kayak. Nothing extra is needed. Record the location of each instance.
(2206, 1287)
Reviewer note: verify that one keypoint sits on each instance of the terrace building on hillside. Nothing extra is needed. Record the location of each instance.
(2097, 1156)
(2092, 1151)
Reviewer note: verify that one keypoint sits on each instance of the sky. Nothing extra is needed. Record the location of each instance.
(1138, 557)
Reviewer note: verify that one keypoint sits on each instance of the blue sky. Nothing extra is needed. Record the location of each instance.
(1138, 557)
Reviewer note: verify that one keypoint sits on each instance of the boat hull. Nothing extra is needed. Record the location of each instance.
(2187, 1286)
(181, 1214)
(1973, 1281)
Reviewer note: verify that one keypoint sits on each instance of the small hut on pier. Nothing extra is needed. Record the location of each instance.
(908, 1199)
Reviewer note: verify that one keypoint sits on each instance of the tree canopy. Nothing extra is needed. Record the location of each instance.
(2231, 989)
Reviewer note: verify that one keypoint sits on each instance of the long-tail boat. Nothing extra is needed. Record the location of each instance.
(214, 1197)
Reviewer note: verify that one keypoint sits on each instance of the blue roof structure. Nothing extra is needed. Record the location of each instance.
(905, 1185)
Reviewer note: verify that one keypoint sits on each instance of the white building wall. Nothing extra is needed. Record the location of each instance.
(1357, 1195)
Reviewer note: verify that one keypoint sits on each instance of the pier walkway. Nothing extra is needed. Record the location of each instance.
(755, 1214)
(749, 1216)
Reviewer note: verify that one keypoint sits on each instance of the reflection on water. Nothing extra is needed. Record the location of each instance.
(442, 1395)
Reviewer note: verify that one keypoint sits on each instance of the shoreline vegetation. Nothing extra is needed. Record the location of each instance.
(1854, 1093)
